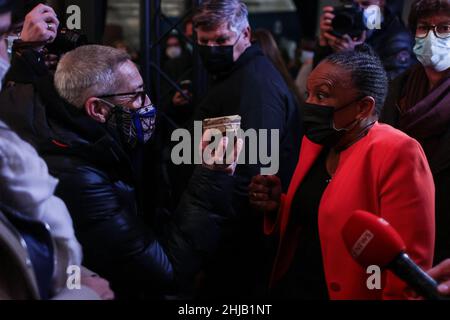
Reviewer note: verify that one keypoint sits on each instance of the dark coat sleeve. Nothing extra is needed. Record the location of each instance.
(27, 66)
(393, 43)
(198, 225)
(115, 242)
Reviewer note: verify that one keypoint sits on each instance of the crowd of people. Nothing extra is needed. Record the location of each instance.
(87, 183)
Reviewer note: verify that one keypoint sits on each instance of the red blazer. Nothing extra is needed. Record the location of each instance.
(386, 173)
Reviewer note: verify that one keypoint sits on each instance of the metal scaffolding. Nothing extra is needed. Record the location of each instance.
(152, 37)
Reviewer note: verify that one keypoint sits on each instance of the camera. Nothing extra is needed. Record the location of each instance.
(66, 40)
(349, 19)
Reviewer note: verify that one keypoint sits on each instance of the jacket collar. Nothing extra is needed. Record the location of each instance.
(105, 154)
(249, 54)
(309, 153)
(78, 136)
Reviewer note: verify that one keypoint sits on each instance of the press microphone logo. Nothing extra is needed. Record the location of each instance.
(374, 280)
(373, 17)
(362, 243)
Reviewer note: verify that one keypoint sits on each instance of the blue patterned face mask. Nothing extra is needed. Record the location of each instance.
(134, 126)
(433, 52)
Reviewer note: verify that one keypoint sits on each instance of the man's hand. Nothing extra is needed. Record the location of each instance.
(179, 100)
(345, 43)
(326, 27)
(441, 274)
(337, 44)
(41, 25)
(224, 157)
(265, 193)
(99, 285)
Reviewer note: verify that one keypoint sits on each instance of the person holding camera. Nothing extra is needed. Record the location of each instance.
(32, 107)
(37, 240)
(343, 28)
(179, 106)
(35, 25)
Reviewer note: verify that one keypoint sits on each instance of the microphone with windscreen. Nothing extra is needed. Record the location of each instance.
(372, 241)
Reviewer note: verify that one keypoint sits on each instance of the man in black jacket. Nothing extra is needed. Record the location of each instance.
(393, 42)
(230, 243)
(89, 141)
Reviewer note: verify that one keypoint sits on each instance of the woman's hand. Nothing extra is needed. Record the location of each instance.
(265, 193)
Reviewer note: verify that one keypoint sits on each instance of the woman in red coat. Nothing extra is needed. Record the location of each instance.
(348, 162)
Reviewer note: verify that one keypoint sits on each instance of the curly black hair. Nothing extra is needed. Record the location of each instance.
(367, 72)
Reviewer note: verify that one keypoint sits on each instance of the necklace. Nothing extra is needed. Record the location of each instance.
(337, 151)
(361, 135)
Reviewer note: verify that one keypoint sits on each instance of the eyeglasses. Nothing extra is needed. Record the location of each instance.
(140, 96)
(441, 31)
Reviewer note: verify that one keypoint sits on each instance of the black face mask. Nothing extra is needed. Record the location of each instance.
(319, 124)
(133, 126)
(218, 59)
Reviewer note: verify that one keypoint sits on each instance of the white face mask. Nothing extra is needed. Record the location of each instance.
(433, 52)
(173, 52)
(4, 68)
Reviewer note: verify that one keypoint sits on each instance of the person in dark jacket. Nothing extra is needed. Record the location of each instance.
(30, 213)
(97, 177)
(98, 168)
(419, 104)
(230, 245)
(392, 42)
(90, 141)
